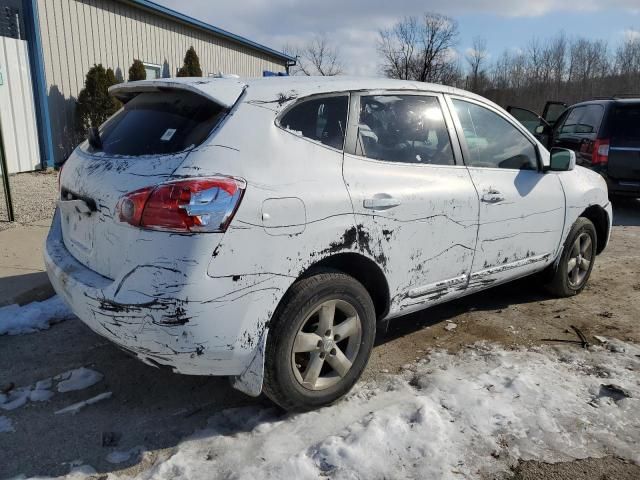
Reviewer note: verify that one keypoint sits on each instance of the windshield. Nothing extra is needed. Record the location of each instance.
(156, 123)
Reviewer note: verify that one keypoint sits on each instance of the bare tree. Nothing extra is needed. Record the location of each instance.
(398, 46)
(476, 57)
(420, 49)
(317, 57)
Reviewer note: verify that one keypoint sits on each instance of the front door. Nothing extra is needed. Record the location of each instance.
(521, 208)
(415, 205)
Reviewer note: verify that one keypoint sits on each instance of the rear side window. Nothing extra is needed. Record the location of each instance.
(156, 123)
(625, 125)
(584, 120)
(590, 119)
(321, 119)
(570, 123)
(403, 128)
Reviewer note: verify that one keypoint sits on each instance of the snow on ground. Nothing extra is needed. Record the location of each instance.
(449, 416)
(72, 380)
(6, 425)
(77, 379)
(35, 316)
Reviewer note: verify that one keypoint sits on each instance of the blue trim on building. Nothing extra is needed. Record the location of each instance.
(210, 28)
(39, 81)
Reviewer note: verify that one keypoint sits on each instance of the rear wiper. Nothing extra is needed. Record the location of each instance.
(93, 135)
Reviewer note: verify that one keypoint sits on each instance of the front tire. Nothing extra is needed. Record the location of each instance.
(319, 342)
(578, 256)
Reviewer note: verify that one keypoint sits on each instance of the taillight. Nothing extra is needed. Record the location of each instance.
(600, 154)
(193, 205)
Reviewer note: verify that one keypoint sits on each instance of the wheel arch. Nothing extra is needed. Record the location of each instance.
(600, 219)
(364, 270)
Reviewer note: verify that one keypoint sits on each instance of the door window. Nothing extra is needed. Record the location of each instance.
(590, 120)
(527, 118)
(321, 119)
(582, 120)
(492, 141)
(403, 128)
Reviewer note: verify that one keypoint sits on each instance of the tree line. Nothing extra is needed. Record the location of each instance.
(557, 68)
(423, 48)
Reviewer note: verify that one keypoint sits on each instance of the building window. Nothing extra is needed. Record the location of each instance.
(153, 71)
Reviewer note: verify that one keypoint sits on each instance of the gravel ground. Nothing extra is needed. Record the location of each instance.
(608, 468)
(34, 197)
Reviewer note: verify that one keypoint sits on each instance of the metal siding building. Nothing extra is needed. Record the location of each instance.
(67, 37)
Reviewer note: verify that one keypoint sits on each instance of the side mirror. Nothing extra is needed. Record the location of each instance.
(562, 160)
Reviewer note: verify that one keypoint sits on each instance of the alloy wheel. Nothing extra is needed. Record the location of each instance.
(579, 261)
(326, 345)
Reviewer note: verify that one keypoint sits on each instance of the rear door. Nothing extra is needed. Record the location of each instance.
(624, 148)
(415, 205)
(522, 209)
(141, 145)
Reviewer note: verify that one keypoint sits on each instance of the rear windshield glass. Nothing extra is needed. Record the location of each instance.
(155, 123)
(625, 127)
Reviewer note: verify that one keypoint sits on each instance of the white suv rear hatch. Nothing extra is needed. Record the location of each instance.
(142, 145)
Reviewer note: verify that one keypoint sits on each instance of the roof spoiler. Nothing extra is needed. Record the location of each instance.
(224, 92)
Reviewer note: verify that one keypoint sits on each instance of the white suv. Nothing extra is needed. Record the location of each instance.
(265, 229)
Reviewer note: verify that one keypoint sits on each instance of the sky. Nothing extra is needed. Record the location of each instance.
(353, 25)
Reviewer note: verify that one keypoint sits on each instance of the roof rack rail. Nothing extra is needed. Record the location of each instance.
(626, 95)
(616, 96)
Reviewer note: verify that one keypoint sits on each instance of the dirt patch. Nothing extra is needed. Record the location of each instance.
(608, 468)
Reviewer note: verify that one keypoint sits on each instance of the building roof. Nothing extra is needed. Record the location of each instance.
(168, 12)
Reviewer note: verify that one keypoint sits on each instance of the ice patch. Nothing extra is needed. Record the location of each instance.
(35, 316)
(76, 407)
(469, 415)
(16, 398)
(122, 456)
(6, 425)
(77, 379)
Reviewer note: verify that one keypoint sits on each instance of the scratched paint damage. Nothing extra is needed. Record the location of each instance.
(201, 304)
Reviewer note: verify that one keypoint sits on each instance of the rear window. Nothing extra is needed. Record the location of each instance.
(156, 123)
(625, 125)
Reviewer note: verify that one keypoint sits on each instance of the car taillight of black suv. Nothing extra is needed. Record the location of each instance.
(604, 133)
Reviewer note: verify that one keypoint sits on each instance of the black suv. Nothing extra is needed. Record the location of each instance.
(604, 133)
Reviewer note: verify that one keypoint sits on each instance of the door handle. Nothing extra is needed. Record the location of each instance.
(380, 202)
(492, 196)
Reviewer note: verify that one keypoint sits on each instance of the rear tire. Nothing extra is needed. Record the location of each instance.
(319, 342)
(576, 262)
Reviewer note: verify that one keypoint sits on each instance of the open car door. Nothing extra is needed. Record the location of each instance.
(533, 122)
(552, 111)
(540, 126)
